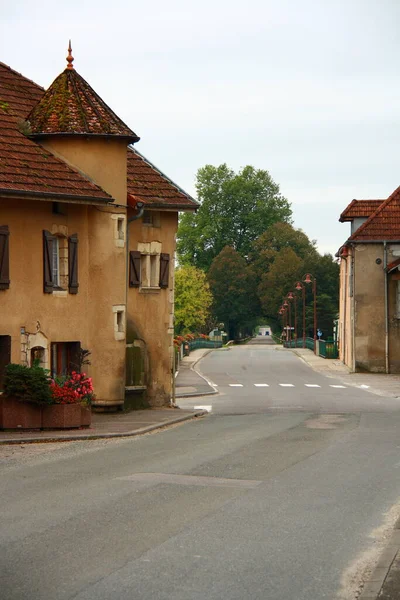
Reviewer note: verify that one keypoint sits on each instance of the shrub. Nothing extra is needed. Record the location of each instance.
(28, 384)
(75, 389)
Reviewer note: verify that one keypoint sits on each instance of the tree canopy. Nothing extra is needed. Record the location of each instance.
(192, 299)
(236, 208)
(233, 287)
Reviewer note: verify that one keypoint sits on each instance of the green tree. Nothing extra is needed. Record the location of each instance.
(232, 284)
(276, 238)
(236, 208)
(192, 299)
(279, 280)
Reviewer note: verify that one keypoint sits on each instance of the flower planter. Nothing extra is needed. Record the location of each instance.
(15, 414)
(61, 416)
(86, 416)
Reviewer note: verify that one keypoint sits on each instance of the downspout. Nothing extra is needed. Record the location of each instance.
(386, 308)
(345, 291)
(353, 312)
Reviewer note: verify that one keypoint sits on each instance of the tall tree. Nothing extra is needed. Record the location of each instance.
(192, 299)
(236, 208)
(233, 288)
(279, 280)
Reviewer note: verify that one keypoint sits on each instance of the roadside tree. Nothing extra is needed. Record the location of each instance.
(192, 299)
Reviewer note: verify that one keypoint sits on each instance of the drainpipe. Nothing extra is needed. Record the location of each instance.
(345, 289)
(386, 309)
(140, 207)
(353, 312)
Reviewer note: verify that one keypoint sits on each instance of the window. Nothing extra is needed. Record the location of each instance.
(65, 358)
(60, 263)
(119, 322)
(119, 230)
(150, 270)
(151, 218)
(147, 269)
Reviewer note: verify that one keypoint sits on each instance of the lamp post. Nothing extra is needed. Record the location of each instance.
(283, 313)
(300, 286)
(293, 297)
(286, 305)
(308, 278)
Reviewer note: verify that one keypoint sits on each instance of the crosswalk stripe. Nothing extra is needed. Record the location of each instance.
(236, 385)
(261, 385)
(286, 384)
(312, 385)
(338, 386)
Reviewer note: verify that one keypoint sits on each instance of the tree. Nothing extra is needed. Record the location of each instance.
(279, 280)
(232, 284)
(192, 299)
(236, 208)
(277, 237)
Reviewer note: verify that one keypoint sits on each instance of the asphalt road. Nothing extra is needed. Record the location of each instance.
(277, 495)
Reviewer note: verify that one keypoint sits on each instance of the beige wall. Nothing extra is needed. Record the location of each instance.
(346, 312)
(87, 316)
(150, 311)
(104, 161)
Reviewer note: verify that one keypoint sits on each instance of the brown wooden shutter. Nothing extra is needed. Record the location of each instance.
(164, 270)
(48, 282)
(73, 284)
(4, 258)
(134, 268)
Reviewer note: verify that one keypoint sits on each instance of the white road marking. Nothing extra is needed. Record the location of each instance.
(338, 386)
(207, 407)
(364, 387)
(312, 385)
(286, 384)
(261, 385)
(236, 385)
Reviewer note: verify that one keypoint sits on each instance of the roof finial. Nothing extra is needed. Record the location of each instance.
(70, 58)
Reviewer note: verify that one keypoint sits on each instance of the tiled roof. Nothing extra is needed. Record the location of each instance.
(71, 106)
(149, 185)
(383, 224)
(359, 208)
(25, 167)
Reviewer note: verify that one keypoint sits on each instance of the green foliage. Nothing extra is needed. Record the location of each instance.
(233, 287)
(279, 280)
(28, 384)
(236, 208)
(192, 299)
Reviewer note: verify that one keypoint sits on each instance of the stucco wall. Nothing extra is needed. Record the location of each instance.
(102, 160)
(345, 312)
(150, 311)
(369, 306)
(87, 316)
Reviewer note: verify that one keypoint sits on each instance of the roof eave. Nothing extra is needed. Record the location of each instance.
(54, 197)
(129, 139)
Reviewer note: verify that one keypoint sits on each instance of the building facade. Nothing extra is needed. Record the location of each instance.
(87, 241)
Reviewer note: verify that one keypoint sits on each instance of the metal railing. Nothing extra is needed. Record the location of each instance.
(327, 349)
(200, 343)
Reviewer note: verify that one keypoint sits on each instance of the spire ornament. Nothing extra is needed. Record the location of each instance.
(70, 58)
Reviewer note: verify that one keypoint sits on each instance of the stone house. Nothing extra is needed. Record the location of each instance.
(369, 317)
(87, 240)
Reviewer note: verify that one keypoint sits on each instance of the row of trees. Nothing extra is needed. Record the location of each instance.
(239, 255)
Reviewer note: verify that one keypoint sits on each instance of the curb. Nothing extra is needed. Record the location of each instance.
(375, 583)
(100, 436)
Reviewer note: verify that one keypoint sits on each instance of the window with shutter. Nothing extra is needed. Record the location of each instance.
(4, 257)
(134, 268)
(73, 284)
(164, 270)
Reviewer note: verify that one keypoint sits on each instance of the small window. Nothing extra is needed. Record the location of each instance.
(120, 229)
(147, 218)
(151, 218)
(58, 208)
(119, 322)
(65, 358)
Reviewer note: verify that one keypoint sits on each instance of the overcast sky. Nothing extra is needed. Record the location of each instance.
(307, 89)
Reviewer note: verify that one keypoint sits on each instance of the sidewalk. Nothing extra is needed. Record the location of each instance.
(189, 382)
(384, 583)
(137, 422)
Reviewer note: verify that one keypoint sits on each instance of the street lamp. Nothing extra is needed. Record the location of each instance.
(302, 287)
(286, 305)
(308, 278)
(293, 297)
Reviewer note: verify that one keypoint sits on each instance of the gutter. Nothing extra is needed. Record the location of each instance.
(49, 196)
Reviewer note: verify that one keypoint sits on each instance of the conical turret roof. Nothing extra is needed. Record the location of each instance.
(71, 107)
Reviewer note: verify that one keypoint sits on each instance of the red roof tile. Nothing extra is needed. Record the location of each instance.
(71, 106)
(359, 208)
(25, 167)
(383, 224)
(149, 185)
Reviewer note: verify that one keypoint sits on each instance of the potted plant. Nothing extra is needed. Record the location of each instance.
(26, 391)
(71, 397)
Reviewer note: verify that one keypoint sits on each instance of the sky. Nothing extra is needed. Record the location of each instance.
(306, 89)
